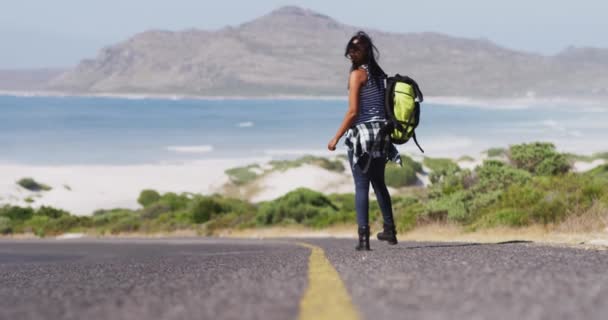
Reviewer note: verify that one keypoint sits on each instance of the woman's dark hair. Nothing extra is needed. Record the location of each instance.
(362, 42)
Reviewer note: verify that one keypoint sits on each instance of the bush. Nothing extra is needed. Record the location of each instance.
(105, 218)
(494, 175)
(452, 182)
(154, 210)
(16, 213)
(32, 185)
(5, 225)
(538, 158)
(496, 152)
(599, 173)
(344, 202)
(440, 168)
(455, 204)
(299, 206)
(204, 208)
(331, 165)
(242, 175)
(397, 177)
(406, 211)
(507, 217)
(148, 197)
(126, 223)
(401, 176)
(174, 201)
(61, 225)
(51, 212)
(37, 224)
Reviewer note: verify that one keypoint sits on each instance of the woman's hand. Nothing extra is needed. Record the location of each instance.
(332, 144)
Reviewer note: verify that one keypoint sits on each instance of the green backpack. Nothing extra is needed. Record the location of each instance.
(402, 103)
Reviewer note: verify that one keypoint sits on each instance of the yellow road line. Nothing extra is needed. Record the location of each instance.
(326, 297)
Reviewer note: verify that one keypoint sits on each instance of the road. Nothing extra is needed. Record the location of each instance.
(281, 279)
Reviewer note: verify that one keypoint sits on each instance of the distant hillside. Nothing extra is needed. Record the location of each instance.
(300, 52)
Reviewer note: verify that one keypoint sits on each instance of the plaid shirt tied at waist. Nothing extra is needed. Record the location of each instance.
(370, 138)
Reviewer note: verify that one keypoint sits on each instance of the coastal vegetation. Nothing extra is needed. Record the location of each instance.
(532, 185)
(243, 175)
(33, 185)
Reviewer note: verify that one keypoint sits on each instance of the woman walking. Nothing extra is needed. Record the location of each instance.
(369, 146)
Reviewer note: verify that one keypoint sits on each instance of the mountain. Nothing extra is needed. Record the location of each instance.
(295, 51)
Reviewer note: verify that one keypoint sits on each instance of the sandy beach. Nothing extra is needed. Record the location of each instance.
(82, 189)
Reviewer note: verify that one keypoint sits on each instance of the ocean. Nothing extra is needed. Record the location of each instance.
(93, 130)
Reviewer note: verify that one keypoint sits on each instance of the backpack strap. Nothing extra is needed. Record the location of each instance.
(416, 141)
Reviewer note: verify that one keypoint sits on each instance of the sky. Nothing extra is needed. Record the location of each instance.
(60, 33)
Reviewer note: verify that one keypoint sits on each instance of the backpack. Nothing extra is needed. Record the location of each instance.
(402, 104)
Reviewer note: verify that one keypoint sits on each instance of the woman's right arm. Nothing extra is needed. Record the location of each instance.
(356, 79)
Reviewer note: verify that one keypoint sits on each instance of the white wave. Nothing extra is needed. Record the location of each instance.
(299, 152)
(246, 124)
(191, 149)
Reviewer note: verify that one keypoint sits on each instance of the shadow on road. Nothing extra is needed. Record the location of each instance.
(464, 245)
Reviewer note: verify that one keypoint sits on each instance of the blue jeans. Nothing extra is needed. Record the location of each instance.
(375, 175)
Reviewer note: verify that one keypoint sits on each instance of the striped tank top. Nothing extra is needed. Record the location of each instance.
(371, 100)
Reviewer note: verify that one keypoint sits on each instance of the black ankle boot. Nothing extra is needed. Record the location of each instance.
(389, 234)
(363, 239)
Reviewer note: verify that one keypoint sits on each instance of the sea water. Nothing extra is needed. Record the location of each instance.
(93, 130)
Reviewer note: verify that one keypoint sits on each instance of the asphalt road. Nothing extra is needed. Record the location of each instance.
(255, 279)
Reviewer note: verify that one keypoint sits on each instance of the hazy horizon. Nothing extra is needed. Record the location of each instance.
(67, 31)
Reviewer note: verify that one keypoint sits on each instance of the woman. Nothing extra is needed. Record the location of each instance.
(368, 144)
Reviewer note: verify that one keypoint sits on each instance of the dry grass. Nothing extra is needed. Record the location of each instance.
(595, 219)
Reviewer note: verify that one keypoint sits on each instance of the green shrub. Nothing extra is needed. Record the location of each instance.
(496, 152)
(345, 202)
(51, 212)
(204, 208)
(599, 172)
(148, 197)
(175, 201)
(61, 225)
(440, 167)
(538, 158)
(127, 223)
(600, 155)
(299, 206)
(549, 210)
(331, 165)
(401, 176)
(494, 175)
(397, 177)
(406, 211)
(521, 196)
(507, 217)
(5, 225)
(242, 175)
(16, 213)
(32, 185)
(104, 218)
(154, 210)
(37, 224)
(455, 204)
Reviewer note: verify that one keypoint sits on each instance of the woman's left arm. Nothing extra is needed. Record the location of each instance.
(355, 81)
